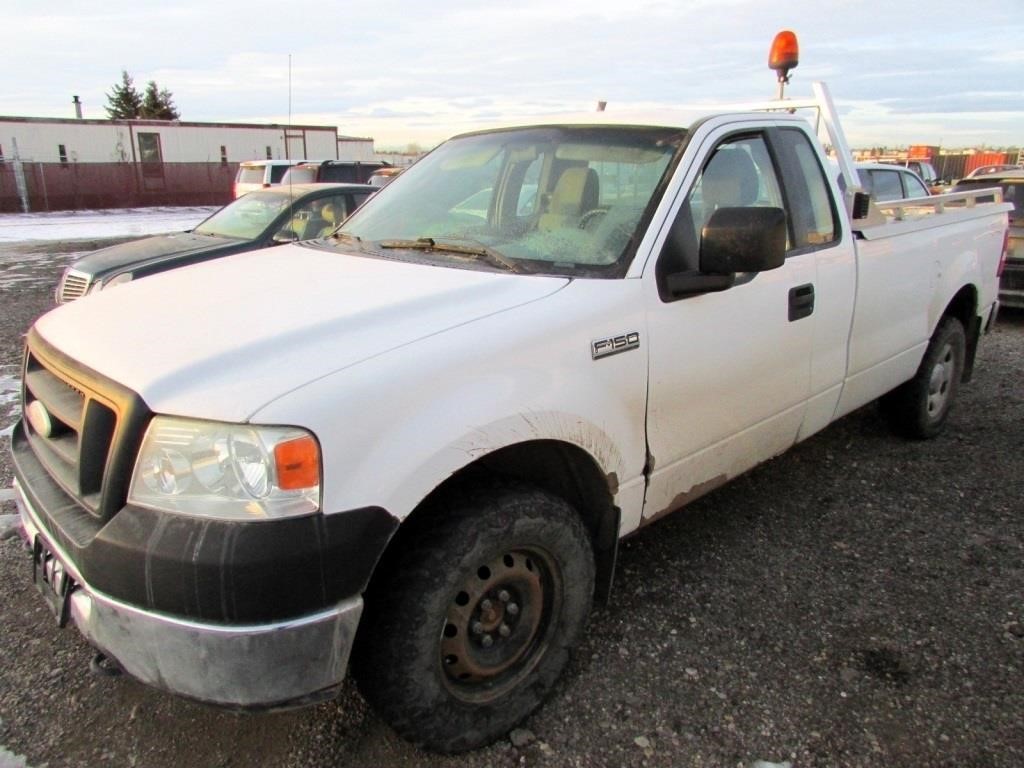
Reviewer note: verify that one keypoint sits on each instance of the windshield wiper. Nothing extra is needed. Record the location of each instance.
(346, 236)
(478, 251)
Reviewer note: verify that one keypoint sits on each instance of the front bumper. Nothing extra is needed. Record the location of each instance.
(250, 665)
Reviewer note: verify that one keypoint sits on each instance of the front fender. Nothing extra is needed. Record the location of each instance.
(394, 428)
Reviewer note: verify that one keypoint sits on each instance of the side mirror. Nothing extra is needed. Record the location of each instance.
(285, 236)
(743, 240)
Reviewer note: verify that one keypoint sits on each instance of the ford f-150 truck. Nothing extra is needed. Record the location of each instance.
(417, 442)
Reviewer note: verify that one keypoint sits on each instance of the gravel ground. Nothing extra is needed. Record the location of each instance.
(856, 602)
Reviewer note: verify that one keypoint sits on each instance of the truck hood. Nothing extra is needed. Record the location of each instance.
(219, 340)
(137, 251)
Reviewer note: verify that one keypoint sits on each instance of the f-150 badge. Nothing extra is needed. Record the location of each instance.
(614, 344)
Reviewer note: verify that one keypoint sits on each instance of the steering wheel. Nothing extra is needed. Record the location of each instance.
(590, 216)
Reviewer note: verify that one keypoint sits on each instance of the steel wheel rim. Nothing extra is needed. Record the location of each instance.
(940, 382)
(498, 623)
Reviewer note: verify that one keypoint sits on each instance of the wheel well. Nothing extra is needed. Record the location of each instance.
(964, 307)
(560, 469)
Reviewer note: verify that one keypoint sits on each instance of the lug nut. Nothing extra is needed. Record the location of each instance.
(512, 609)
(486, 605)
(504, 596)
(487, 641)
(478, 628)
(504, 631)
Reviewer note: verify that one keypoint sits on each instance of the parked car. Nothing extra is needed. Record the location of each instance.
(989, 170)
(256, 220)
(260, 174)
(342, 171)
(890, 182)
(1011, 281)
(384, 176)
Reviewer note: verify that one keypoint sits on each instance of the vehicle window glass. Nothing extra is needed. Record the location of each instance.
(530, 195)
(315, 218)
(914, 186)
(739, 173)
(886, 185)
(811, 211)
(297, 175)
(277, 172)
(247, 217)
(248, 174)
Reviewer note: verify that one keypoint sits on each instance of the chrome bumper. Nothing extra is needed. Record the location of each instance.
(263, 665)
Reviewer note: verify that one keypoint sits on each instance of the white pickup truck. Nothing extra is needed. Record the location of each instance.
(419, 441)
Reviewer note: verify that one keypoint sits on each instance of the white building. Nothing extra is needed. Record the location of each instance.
(69, 140)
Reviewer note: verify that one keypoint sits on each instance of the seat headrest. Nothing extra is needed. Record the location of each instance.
(730, 179)
(575, 193)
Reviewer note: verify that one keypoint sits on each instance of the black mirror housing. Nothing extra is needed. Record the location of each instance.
(743, 240)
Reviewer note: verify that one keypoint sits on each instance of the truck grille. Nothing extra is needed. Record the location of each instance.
(84, 429)
(73, 286)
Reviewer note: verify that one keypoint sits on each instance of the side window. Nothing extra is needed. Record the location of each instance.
(886, 185)
(914, 186)
(315, 218)
(738, 174)
(527, 203)
(812, 213)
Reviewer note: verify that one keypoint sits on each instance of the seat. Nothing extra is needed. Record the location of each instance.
(575, 193)
(330, 214)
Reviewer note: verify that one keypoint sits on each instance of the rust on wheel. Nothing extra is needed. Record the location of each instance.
(497, 624)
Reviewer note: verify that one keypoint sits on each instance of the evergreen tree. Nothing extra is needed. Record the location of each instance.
(124, 103)
(158, 103)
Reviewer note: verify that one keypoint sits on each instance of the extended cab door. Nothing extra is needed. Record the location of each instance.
(731, 371)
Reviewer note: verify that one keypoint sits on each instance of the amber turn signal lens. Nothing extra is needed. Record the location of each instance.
(298, 464)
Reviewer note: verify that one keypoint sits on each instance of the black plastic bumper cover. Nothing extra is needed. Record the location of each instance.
(210, 570)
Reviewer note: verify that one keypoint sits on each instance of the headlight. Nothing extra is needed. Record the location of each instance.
(227, 471)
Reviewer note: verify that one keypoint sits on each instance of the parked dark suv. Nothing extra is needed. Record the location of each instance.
(334, 171)
(1011, 283)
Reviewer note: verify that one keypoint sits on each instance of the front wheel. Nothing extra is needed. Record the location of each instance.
(919, 408)
(471, 623)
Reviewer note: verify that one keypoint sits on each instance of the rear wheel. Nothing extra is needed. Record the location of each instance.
(471, 624)
(919, 408)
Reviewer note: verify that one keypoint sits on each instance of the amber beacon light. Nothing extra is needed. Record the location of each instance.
(784, 56)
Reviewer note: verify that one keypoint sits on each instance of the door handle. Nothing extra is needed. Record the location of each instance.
(801, 301)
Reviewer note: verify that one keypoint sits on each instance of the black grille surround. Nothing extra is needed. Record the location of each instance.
(97, 427)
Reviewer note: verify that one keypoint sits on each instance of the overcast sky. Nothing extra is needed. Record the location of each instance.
(933, 72)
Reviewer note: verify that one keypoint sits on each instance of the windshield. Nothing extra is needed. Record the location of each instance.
(247, 217)
(570, 200)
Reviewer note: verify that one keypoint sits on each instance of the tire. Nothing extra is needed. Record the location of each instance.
(919, 408)
(470, 624)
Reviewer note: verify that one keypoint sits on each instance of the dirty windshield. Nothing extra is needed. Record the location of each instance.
(247, 217)
(566, 200)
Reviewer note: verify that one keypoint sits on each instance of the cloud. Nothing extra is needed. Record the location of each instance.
(388, 67)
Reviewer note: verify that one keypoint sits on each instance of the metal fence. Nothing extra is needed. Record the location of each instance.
(30, 186)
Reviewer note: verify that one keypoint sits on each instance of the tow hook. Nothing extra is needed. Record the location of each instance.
(102, 665)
